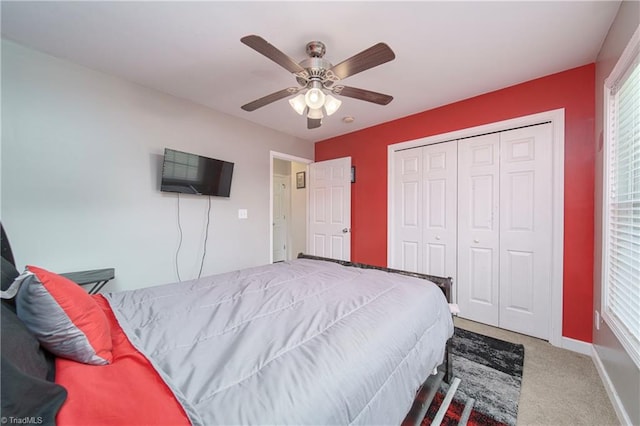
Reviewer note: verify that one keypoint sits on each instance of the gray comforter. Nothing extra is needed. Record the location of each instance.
(301, 342)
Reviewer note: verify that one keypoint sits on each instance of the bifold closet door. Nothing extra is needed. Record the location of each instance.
(526, 229)
(504, 229)
(479, 228)
(439, 195)
(480, 210)
(407, 209)
(424, 206)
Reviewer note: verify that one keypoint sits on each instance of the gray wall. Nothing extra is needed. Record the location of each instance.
(623, 373)
(81, 161)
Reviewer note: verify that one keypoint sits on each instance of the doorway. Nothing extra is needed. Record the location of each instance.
(289, 199)
(281, 212)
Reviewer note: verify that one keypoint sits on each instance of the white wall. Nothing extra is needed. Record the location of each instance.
(622, 376)
(81, 160)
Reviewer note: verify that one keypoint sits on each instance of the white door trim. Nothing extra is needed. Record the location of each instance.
(556, 117)
(286, 157)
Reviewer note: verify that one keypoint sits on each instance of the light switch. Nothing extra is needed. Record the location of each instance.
(242, 214)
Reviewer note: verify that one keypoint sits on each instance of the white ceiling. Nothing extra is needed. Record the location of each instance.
(445, 51)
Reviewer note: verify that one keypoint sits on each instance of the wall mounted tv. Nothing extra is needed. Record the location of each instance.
(193, 174)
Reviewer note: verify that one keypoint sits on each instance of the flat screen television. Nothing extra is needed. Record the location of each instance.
(193, 174)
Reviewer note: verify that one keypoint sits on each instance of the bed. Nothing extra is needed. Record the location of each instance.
(310, 341)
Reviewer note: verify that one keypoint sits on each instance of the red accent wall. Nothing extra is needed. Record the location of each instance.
(573, 90)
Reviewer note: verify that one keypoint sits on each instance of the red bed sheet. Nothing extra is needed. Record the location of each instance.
(128, 391)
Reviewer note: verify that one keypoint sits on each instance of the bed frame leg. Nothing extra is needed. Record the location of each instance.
(448, 373)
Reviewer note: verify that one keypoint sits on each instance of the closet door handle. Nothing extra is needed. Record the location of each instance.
(476, 241)
(437, 237)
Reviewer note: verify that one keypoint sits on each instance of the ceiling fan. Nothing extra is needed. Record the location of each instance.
(317, 78)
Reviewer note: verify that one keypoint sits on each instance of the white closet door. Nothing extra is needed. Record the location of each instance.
(478, 228)
(525, 229)
(439, 189)
(407, 181)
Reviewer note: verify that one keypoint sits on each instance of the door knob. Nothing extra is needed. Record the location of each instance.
(437, 237)
(476, 241)
(345, 230)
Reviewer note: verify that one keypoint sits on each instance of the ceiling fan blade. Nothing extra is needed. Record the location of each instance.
(260, 45)
(369, 58)
(276, 96)
(363, 95)
(313, 123)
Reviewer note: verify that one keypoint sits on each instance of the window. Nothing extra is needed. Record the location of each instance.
(621, 209)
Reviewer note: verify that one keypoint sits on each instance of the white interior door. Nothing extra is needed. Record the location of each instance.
(478, 228)
(330, 208)
(440, 200)
(280, 217)
(525, 229)
(407, 242)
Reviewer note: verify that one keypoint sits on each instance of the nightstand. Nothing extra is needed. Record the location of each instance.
(97, 277)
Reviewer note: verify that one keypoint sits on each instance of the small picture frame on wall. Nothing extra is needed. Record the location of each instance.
(301, 180)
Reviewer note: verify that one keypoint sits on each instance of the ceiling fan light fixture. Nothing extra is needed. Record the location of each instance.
(298, 104)
(315, 97)
(316, 78)
(331, 104)
(315, 113)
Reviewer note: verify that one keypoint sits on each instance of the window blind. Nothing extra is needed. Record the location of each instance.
(622, 269)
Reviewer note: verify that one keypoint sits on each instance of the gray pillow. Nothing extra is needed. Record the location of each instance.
(63, 317)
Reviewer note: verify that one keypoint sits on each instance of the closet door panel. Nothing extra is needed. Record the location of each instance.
(407, 181)
(478, 228)
(410, 258)
(525, 229)
(436, 259)
(439, 233)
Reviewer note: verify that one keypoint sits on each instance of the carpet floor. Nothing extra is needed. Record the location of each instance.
(490, 371)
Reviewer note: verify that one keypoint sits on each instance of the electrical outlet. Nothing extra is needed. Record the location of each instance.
(242, 214)
(597, 319)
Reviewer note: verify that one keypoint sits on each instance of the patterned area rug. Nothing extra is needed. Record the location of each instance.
(491, 372)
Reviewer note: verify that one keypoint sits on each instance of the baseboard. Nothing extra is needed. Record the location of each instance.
(623, 417)
(577, 346)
